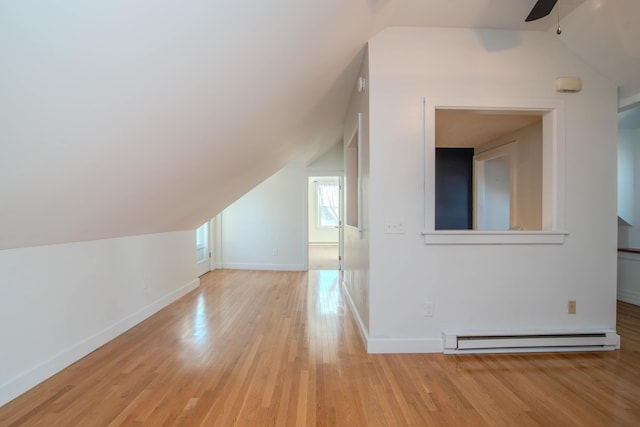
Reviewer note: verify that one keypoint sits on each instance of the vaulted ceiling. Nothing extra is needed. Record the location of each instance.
(121, 118)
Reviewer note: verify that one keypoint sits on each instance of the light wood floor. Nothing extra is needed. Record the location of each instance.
(281, 348)
(323, 257)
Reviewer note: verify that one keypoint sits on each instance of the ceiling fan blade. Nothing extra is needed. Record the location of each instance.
(541, 9)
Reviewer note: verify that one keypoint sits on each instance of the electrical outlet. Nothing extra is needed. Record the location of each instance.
(571, 307)
(428, 310)
(274, 252)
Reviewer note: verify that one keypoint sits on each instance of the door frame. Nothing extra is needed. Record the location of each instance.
(509, 153)
(341, 211)
(204, 266)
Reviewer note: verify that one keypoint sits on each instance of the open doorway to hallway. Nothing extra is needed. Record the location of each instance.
(324, 222)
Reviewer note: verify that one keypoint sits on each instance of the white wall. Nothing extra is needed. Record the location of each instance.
(497, 192)
(266, 228)
(629, 277)
(356, 243)
(528, 201)
(627, 140)
(492, 287)
(629, 211)
(58, 303)
(329, 163)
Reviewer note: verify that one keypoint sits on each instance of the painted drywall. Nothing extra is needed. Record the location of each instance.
(58, 303)
(629, 277)
(356, 242)
(329, 162)
(266, 228)
(490, 287)
(496, 215)
(127, 118)
(629, 188)
(627, 141)
(528, 202)
(629, 211)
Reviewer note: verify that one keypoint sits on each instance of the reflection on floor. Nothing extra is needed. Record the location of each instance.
(323, 257)
(282, 348)
(328, 298)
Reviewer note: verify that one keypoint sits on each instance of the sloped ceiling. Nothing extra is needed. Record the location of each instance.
(120, 118)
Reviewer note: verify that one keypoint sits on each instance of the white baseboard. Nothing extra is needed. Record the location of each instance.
(392, 345)
(629, 295)
(34, 376)
(266, 267)
(404, 345)
(363, 330)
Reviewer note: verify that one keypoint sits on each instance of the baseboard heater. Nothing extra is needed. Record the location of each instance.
(529, 341)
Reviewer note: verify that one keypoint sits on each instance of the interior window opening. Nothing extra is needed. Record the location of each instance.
(488, 170)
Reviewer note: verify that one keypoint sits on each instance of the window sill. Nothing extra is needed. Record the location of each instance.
(481, 237)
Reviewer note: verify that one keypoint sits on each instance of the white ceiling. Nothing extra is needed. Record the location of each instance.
(474, 128)
(121, 118)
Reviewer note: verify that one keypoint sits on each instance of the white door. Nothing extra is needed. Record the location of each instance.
(203, 251)
(494, 188)
(496, 195)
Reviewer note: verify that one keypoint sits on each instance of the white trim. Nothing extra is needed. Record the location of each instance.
(32, 377)
(363, 330)
(404, 345)
(553, 194)
(535, 350)
(355, 140)
(391, 345)
(630, 256)
(530, 341)
(628, 274)
(265, 267)
(487, 237)
(510, 152)
(627, 102)
(360, 192)
(632, 296)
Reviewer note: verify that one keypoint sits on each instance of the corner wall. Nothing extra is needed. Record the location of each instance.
(629, 210)
(356, 280)
(629, 187)
(265, 228)
(485, 287)
(59, 303)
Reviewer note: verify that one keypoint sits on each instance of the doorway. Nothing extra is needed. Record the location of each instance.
(324, 222)
(203, 249)
(495, 188)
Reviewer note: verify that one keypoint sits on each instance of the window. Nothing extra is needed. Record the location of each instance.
(328, 194)
(494, 174)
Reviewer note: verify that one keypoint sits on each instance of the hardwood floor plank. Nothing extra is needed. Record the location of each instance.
(253, 348)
